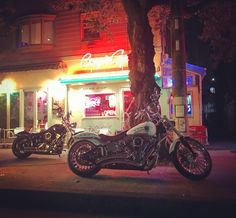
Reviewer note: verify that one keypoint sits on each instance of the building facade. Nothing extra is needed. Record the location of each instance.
(57, 61)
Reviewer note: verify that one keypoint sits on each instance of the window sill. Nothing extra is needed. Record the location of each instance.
(35, 48)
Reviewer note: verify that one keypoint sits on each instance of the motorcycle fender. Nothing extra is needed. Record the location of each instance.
(96, 142)
(86, 135)
(173, 145)
(23, 133)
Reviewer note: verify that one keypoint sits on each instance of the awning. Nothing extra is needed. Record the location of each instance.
(98, 77)
(33, 66)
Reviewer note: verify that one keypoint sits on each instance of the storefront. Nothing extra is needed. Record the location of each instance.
(95, 88)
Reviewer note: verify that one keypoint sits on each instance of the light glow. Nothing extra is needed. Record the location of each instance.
(7, 86)
(57, 90)
(118, 60)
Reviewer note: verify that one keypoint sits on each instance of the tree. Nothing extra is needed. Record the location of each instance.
(141, 66)
(7, 11)
(218, 20)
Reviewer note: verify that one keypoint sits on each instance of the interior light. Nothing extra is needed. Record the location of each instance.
(8, 85)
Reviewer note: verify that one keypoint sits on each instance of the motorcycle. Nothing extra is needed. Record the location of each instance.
(50, 141)
(140, 148)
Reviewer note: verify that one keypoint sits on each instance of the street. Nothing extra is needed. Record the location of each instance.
(46, 182)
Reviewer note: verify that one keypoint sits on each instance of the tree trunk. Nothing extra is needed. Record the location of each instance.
(141, 65)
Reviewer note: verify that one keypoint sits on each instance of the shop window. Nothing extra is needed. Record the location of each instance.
(28, 110)
(42, 100)
(100, 105)
(89, 25)
(58, 107)
(14, 109)
(35, 30)
(3, 111)
(167, 81)
(189, 105)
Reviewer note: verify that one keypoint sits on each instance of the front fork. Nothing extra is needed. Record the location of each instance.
(182, 140)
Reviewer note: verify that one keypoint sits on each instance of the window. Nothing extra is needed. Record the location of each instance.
(189, 104)
(89, 23)
(14, 109)
(100, 105)
(3, 110)
(29, 110)
(35, 30)
(42, 101)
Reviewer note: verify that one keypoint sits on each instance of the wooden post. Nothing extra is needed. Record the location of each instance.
(179, 89)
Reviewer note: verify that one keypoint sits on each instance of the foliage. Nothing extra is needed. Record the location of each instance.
(6, 12)
(110, 11)
(219, 30)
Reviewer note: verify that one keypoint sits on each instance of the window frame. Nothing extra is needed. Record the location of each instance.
(30, 20)
(83, 17)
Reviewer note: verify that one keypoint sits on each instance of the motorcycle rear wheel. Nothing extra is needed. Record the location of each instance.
(195, 164)
(80, 165)
(18, 147)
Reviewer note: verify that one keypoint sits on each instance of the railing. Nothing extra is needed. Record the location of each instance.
(6, 136)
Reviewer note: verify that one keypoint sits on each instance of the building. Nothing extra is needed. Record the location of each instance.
(57, 61)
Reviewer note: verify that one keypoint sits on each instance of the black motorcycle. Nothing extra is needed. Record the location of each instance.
(50, 141)
(143, 147)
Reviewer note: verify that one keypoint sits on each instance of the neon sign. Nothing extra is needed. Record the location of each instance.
(116, 61)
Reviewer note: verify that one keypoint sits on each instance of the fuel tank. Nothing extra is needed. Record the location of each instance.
(147, 128)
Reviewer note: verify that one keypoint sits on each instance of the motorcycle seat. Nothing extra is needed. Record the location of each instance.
(112, 138)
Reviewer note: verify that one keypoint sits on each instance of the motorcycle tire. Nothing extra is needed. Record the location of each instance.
(195, 164)
(18, 147)
(79, 165)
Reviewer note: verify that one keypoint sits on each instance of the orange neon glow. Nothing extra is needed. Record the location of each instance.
(117, 61)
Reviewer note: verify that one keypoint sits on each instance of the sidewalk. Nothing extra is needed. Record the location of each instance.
(222, 145)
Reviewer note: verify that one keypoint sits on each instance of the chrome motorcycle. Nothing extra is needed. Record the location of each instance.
(140, 148)
(50, 141)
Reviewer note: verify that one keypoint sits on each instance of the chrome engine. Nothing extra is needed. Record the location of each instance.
(133, 147)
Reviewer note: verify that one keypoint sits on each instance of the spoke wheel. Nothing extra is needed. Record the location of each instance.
(18, 147)
(194, 163)
(78, 161)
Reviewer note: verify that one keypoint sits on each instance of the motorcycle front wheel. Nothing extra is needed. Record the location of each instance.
(192, 159)
(77, 161)
(18, 147)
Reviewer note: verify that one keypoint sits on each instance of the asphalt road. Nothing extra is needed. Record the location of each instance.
(44, 185)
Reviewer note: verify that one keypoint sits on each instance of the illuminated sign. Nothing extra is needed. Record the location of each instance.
(100, 105)
(116, 61)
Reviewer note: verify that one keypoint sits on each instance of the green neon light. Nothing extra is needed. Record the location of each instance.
(98, 79)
